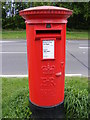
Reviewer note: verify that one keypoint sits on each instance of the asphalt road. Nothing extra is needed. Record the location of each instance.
(13, 56)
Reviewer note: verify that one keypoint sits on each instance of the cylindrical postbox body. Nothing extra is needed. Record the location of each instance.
(46, 40)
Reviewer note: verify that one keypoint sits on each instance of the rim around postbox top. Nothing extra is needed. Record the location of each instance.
(46, 8)
(45, 12)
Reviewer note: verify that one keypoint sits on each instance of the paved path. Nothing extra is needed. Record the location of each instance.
(14, 57)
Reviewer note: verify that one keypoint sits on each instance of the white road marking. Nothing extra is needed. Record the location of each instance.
(7, 41)
(84, 52)
(20, 76)
(1, 41)
(13, 76)
(84, 47)
(13, 52)
(70, 75)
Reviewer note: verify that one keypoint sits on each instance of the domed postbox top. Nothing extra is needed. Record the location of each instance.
(45, 12)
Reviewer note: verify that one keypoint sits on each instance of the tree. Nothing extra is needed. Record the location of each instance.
(79, 19)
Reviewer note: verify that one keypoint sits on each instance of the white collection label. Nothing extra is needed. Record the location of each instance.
(48, 49)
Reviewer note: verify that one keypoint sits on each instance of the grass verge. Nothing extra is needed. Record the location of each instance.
(77, 35)
(15, 96)
(13, 35)
(0, 35)
(21, 34)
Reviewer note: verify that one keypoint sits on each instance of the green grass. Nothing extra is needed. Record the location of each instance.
(0, 34)
(76, 97)
(15, 95)
(15, 98)
(21, 34)
(77, 35)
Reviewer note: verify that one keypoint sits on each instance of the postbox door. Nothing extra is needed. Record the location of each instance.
(52, 69)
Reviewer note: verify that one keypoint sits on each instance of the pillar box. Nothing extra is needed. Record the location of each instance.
(46, 41)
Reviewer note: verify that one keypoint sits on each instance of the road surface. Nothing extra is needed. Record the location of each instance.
(13, 56)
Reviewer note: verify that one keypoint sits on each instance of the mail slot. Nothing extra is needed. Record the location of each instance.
(48, 33)
(46, 41)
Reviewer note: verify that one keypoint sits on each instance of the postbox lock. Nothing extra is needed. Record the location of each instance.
(48, 25)
(62, 63)
(58, 74)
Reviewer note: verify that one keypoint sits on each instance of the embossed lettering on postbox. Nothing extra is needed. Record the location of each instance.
(47, 86)
(48, 69)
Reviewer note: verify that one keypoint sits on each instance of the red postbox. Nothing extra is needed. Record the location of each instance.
(46, 40)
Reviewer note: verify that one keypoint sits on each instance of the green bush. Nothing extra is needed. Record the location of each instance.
(76, 98)
(15, 22)
(76, 103)
(19, 107)
(79, 19)
(15, 98)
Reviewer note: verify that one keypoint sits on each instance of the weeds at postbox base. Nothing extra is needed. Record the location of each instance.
(15, 96)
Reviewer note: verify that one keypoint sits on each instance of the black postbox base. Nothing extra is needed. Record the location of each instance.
(49, 113)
